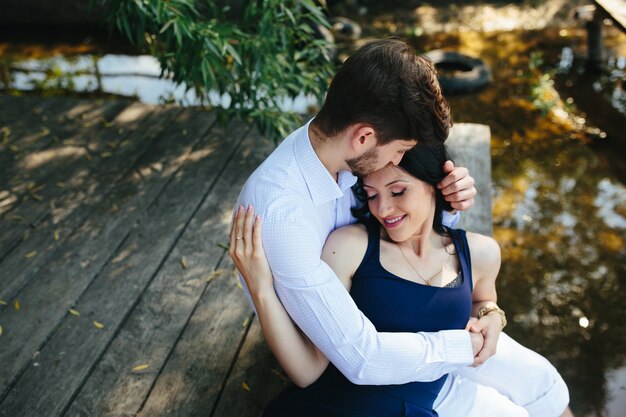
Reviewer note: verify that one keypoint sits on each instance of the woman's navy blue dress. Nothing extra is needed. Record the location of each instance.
(393, 304)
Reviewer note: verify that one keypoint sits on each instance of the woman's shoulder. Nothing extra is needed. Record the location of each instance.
(484, 251)
(345, 248)
(345, 237)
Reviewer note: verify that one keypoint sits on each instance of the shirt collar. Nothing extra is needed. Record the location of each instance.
(322, 186)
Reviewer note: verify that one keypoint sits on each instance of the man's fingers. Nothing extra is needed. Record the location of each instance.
(454, 176)
(463, 205)
(448, 167)
(461, 184)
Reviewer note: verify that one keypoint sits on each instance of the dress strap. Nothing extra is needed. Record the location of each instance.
(459, 237)
(373, 244)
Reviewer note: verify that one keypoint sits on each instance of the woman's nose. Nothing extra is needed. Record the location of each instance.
(384, 207)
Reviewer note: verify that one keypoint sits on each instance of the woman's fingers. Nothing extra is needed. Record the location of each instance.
(256, 236)
(247, 230)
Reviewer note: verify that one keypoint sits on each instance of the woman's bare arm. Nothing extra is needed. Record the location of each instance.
(485, 255)
(297, 355)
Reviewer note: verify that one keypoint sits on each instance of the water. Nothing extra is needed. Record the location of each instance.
(558, 141)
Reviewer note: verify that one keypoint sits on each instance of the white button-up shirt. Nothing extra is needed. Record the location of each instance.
(301, 204)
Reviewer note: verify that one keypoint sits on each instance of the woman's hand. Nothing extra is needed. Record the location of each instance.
(246, 251)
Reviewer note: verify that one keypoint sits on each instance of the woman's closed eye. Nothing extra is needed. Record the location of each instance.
(397, 194)
(371, 197)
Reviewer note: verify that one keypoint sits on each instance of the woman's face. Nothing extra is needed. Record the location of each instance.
(403, 204)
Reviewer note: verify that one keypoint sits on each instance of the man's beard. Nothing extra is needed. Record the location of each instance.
(364, 164)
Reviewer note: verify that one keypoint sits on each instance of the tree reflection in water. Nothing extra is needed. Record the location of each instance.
(559, 210)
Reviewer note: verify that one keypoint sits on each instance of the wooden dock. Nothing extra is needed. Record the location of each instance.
(118, 297)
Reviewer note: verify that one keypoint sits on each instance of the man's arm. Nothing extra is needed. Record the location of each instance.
(319, 304)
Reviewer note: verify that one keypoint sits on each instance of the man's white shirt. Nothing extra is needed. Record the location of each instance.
(301, 204)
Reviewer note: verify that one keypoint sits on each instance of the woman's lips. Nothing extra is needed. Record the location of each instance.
(392, 222)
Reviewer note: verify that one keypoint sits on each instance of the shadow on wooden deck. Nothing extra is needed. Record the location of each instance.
(118, 297)
(115, 216)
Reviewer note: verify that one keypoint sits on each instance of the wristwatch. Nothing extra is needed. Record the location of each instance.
(484, 310)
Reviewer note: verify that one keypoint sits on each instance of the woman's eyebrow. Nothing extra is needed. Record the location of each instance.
(395, 181)
(387, 185)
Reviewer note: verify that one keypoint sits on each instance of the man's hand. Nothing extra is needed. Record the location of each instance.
(490, 326)
(457, 187)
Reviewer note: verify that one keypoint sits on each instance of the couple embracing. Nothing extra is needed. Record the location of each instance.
(371, 301)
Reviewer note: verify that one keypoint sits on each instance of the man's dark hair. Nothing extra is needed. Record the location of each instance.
(384, 83)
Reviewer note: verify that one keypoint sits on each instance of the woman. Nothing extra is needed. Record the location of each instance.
(406, 273)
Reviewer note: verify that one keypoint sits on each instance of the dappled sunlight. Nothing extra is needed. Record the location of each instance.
(37, 159)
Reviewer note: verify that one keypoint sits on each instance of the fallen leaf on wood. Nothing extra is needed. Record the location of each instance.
(183, 262)
(0, 330)
(3, 303)
(56, 235)
(245, 386)
(14, 148)
(214, 275)
(141, 367)
(74, 312)
(30, 254)
(106, 154)
(17, 305)
(60, 184)
(245, 322)
(98, 325)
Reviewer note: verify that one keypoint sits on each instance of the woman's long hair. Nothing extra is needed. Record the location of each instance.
(424, 162)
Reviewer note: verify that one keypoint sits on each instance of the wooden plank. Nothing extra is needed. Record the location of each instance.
(70, 209)
(115, 291)
(57, 287)
(147, 337)
(52, 121)
(263, 377)
(616, 10)
(37, 179)
(57, 155)
(470, 146)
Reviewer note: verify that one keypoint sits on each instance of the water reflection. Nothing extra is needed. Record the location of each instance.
(559, 207)
(126, 75)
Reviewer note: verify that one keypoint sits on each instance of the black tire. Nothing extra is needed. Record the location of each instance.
(470, 75)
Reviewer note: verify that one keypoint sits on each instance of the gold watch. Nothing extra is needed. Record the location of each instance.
(484, 310)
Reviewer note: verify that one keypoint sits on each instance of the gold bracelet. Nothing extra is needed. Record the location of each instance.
(484, 310)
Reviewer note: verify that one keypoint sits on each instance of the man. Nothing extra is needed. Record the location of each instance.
(382, 101)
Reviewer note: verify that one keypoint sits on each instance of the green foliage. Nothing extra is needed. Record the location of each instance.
(266, 53)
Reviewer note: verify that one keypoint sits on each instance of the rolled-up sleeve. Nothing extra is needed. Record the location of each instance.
(320, 305)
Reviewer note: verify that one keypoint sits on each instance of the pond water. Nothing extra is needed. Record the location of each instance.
(558, 146)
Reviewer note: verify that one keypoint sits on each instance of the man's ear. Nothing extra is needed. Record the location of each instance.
(363, 137)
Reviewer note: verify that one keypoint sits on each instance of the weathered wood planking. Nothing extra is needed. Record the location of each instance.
(154, 327)
(77, 199)
(56, 158)
(116, 290)
(87, 252)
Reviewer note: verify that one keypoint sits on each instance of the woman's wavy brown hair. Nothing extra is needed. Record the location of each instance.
(384, 83)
